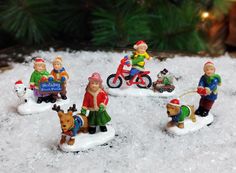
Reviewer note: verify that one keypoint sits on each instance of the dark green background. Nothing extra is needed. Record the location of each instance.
(163, 24)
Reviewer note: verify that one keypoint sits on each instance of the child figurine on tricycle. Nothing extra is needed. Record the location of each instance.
(137, 75)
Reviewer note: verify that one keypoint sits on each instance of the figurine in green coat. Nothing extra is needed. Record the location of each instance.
(40, 74)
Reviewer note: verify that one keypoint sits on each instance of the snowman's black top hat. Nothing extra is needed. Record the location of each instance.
(164, 71)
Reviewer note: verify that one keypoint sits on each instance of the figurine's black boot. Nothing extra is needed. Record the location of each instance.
(52, 99)
(63, 97)
(204, 113)
(40, 100)
(128, 77)
(92, 130)
(103, 128)
(199, 111)
(46, 99)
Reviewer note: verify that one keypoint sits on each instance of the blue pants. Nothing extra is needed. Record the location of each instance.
(133, 71)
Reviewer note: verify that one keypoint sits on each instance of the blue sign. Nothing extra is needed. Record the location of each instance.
(50, 87)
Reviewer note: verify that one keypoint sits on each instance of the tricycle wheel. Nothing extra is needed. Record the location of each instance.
(110, 80)
(148, 82)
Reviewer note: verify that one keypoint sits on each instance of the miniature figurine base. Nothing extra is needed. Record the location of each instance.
(137, 92)
(84, 141)
(190, 126)
(31, 107)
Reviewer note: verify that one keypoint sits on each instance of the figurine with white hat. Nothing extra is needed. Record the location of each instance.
(96, 100)
(207, 89)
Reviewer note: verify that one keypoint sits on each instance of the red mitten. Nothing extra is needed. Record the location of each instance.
(44, 79)
(201, 91)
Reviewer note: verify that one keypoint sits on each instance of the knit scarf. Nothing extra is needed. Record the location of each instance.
(59, 71)
(210, 78)
(136, 54)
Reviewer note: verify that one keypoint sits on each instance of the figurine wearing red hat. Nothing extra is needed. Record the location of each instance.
(96, 100)
(207, 88)
(138, 58)
(39, 73)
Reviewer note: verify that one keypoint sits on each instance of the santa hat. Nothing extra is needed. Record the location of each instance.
(39, 60)
(95, 77)
(140, 43)
(175, 102)
(209, 63)
(58, 59)
(19, 82)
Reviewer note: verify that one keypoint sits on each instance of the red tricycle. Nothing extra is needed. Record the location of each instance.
(141, 79)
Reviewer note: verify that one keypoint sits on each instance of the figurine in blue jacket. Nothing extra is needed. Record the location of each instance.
(207, 88)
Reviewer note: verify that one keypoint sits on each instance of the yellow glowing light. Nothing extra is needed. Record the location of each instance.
(205, 15)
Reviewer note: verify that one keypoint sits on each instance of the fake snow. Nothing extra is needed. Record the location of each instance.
(84, 141)
(30, 143)
(137, 92)
(190, 126)
(31, 107)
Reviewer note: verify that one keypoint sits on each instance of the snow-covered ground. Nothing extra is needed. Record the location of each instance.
(29, 143)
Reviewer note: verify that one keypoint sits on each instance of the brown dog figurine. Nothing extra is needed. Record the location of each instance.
(71, 125)
(179, 112)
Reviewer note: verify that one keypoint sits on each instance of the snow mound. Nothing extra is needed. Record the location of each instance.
(190, 126)
(32, 107)
(84, 141)
(138, 92)
(29, 143)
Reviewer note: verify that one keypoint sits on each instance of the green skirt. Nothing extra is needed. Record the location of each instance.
(96, 118)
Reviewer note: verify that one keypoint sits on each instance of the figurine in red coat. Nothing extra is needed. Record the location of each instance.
(95, 100)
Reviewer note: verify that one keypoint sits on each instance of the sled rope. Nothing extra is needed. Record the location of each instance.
(186, 93)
